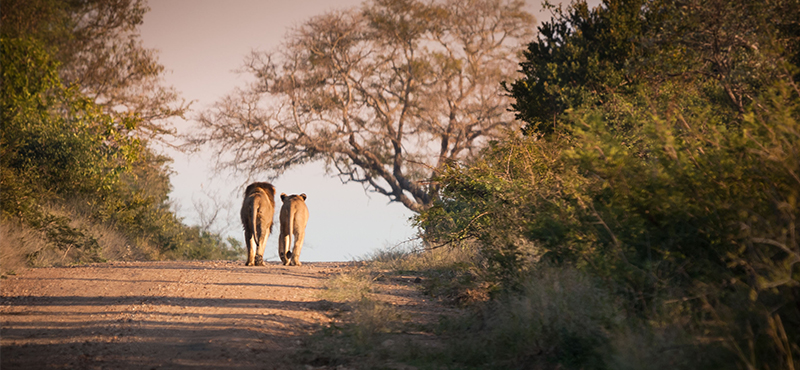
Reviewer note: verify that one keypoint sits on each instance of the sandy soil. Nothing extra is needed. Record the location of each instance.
(156, 315)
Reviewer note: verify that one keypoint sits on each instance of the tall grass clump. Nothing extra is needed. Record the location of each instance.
(17, 242)
(451, 274)
(351, 286)
(560, 317)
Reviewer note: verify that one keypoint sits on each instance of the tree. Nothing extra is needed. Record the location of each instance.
(80, 98)
(98, 46)
(578, 59)
(54, 143)
(724, 49)
(52, 135)
(385, 95)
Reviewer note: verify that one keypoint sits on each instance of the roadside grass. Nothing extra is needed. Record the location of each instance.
(66, 235)
(370, 330)
(563, 319)
(454, 275)
(16, 243)
(559, 318)
(362, 329)
(63, 232)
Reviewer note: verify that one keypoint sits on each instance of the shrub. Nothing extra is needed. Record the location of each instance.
(676, 183)
(69, 170)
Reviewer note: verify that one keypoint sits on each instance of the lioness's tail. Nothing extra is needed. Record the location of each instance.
(291, 232)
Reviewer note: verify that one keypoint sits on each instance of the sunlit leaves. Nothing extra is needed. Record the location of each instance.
(60, 139)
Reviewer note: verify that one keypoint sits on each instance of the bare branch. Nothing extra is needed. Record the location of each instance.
(385, 95)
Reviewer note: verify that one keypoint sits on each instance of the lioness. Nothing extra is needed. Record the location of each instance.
(258, 209)
(294, 217)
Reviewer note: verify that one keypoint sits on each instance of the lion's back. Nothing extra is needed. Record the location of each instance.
(258, 197)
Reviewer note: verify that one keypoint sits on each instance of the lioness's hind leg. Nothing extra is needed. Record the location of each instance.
(298, 245)
(283, 244)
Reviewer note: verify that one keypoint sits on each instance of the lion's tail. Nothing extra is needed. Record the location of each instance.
(256, 225)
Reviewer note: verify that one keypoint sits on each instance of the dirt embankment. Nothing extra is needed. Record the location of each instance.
(150, 315)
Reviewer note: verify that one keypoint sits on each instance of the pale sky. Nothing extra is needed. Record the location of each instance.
(201, 43)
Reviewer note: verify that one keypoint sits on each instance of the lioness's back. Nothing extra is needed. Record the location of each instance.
(293, 217)
(294, 208)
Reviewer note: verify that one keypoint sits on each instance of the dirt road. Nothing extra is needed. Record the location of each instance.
(153, 315)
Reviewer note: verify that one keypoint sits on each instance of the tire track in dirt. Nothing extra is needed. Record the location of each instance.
(150, 315)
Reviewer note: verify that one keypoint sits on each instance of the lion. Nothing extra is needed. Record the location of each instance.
(293, 217)
(258, 209)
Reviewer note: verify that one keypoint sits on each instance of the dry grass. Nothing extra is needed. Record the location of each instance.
(420, 260)
(373, 326)
(560, 318)
(351, 286)
(453, 274)
(365, 315)
(22, 246)
(557, 318)
(17, 243)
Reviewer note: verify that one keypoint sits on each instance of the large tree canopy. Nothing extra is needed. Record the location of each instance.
(386, 95)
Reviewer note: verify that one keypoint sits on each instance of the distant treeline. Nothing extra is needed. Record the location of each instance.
(81, 100)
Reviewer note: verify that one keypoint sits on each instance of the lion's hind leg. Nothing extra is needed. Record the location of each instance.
(262, 223)
(262, 244)
(251, 248)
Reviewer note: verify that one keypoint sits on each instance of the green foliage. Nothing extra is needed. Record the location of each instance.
(55, 143)
(494, 201)
(579, 58)
(59, 147)
(698, 210)
(683, 210)
(672, 174)
(53, 136)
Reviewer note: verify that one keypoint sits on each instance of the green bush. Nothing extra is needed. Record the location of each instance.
(678, 187)
(682, 209)
(66, 165)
